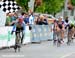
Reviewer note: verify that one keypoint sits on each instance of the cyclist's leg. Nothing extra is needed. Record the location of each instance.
(74, 34)
(59, 36)
(69, 37)
(72, 37)
(15, 47)
(62, 35)
(19, 42)
(54, 37)
(22, 37)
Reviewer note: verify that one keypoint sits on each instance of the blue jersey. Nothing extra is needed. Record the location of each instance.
(17, 26)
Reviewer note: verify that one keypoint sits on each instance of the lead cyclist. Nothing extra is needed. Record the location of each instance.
(18, 27)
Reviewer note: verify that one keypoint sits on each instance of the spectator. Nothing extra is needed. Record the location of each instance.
(26, 19)
(8, 19)
(13, 18)
(36, 20)
(45, 20)
(42, 20)
(31, 19)
(22, 15)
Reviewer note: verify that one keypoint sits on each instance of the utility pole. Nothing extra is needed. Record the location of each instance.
(31, 5)
(66, 1)
(65, 10)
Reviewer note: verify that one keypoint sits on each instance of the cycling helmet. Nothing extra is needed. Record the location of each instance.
(20, 20)
(71, 25)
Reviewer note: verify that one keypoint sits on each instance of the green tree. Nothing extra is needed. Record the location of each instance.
(50, 6)
(23, 4)
(73, 2)
(40, 9)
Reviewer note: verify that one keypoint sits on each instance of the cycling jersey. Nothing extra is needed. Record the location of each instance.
(66, 25)
(70, 27)
(19, 27)
(60, 24)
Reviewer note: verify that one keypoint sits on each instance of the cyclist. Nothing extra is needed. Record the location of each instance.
(18, 27)
(70, 33)
(60, 29)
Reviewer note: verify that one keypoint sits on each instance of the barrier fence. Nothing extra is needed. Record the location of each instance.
(37, 34)
(7, 40)
(41, 33)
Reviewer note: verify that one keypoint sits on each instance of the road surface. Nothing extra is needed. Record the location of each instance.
(42, 50)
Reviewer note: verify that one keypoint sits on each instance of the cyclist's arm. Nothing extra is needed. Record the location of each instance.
(14, 28)
(63, 27)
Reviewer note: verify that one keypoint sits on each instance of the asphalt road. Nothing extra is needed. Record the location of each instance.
(43, 50)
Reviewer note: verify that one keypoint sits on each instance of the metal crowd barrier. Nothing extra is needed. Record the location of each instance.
(41, 33)
(37, 34)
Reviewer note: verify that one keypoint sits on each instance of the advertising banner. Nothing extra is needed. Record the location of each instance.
(2, 18)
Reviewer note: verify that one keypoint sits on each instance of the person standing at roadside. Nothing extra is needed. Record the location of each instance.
(14, 18)
(31, 20)
(26, 19)
(8, 19)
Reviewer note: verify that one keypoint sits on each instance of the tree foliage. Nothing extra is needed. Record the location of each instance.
(23, 4)
(50, 6)
(47, 6)
(73, 2)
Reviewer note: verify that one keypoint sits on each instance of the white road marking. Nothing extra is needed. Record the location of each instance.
(67, 55)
